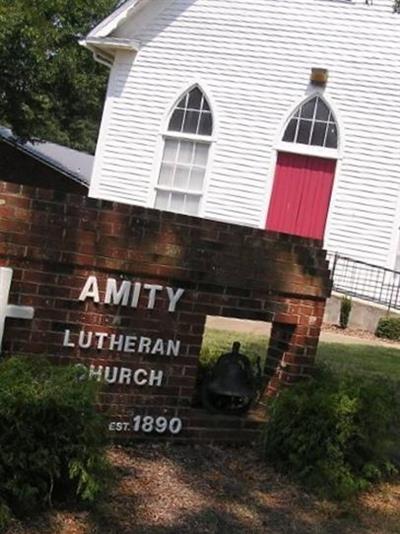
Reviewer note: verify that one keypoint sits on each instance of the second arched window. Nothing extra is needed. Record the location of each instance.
(313, 124)
(184, 162)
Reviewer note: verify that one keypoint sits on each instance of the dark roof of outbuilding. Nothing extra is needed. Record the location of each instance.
(72, 163)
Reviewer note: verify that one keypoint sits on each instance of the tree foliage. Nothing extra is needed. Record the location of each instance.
(50, 87)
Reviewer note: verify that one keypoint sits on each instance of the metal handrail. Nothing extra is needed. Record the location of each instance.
(364, 280)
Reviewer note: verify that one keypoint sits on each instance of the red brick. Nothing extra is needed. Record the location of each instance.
(55, 241)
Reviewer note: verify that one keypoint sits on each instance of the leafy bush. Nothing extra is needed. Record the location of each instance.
(5, 516)
(335, 435)
(389, 328)
(345, 309)
(51, 437)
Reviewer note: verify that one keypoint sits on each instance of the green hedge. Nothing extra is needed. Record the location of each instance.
(52, 439)
(389, 328)
(345, 309)
(335, 435)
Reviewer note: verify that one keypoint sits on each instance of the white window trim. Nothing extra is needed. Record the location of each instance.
(306, 150)
(207, 139)
(165, 134)
(313, 120)
(286, 119)
(200, 194)
(179, 190)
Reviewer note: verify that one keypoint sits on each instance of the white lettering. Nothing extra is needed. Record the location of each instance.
(122, 343)
(118, 293)
(116, 343)
(85, 344)
(82, 372)
(130, 343)
(97, 374)
(90, 290)
(117, 296)
(136, 377)
(173, 347)
(118, 426)
(152, 294)
(125, 376)
(174, 298)
(67, 342)
(158, 347)
(144, 345)
(136, 294)
(101, 337)
(156, 378)
(148, 424)
(113, 379)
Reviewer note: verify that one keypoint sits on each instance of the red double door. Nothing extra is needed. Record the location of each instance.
(301, 195)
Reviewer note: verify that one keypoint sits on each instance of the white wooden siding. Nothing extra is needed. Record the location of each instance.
(255, 57)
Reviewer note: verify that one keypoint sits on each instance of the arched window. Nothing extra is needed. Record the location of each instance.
(313, 123)
(184, 162)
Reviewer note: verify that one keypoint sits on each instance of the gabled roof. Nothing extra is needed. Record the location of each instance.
(99, 41)
(72, 163)
(113, 21)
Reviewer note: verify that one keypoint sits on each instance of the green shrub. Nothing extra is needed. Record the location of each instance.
(335, 435)
(51, 437)
(389, 328)
(345, 310)
(5, 516)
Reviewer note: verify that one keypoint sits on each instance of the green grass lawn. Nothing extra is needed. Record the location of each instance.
(217, 342)
(358, 359)
(361, 359)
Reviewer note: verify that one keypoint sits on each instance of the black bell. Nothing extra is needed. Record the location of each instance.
(232, 375)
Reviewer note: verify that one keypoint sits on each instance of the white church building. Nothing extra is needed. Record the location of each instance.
(277, 114)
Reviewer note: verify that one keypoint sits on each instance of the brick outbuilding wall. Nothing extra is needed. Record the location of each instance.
(55, 241)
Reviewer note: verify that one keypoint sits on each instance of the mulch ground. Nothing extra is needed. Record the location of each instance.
(203, 489)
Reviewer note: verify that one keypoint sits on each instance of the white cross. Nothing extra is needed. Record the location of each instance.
(9, 310)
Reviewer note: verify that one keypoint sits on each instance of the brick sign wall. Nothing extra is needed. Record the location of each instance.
(125, 292)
